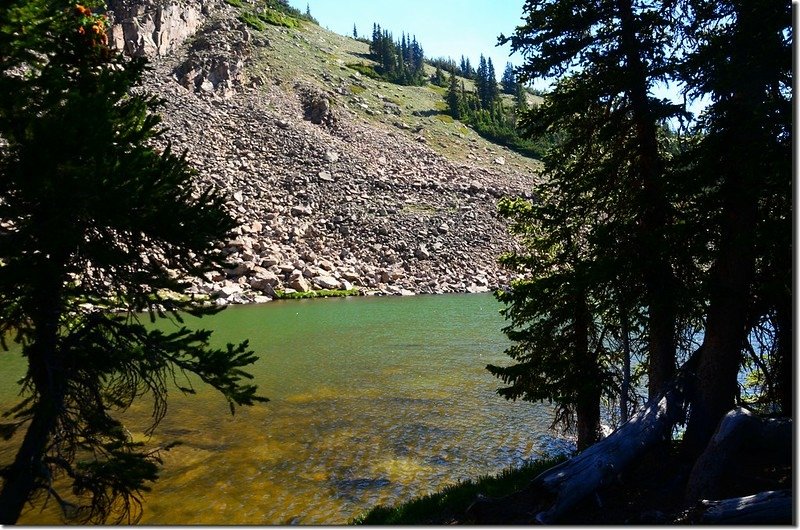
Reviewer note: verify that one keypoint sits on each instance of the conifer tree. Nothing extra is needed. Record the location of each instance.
(509, 80)
(607, 179)
(454, 99)
(492, 94)
(661, 240)
(482, 82)
(744, 161)
(96, 227)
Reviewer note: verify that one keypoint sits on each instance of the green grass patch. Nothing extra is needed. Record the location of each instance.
(275, 18)
(253, 21)
(234, 3)
(357, 89)
(365, 69)
(451, 502)
(445, 118)
(322, 293)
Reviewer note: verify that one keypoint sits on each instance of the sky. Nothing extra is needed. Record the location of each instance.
(444, 28)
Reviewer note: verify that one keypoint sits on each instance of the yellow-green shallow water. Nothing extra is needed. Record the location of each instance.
(373, 400)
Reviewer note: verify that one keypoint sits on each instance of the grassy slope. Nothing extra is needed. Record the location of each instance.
(313, 54)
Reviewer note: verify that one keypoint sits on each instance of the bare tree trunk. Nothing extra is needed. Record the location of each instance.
(739, 430)
(768, 507)
(559, 489)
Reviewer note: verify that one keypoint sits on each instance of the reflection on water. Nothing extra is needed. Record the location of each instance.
(373, 400)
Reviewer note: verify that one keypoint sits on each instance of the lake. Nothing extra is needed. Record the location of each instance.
(373, 400)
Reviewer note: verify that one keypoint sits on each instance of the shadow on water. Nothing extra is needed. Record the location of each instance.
(354, 419)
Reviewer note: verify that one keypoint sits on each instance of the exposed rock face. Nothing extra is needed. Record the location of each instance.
(155, 27)
(316, 104)
(325, 200)
(216, 58)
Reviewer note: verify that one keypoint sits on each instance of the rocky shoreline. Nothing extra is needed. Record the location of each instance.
(325, 199)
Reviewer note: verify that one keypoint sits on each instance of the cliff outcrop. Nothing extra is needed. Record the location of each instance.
(154, 28)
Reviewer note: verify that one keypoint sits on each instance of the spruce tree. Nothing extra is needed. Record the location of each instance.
(670, 236)
(509, 80)
(618, 63)
(606, 176)
(482, 82)
(97, 226)
(743, 161)
(492, 94)
(454, 100)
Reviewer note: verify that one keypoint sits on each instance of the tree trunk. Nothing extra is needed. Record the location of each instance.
(28, 473)
(587, 406)
(785, 360)
(653, 247)
(626, 363)
(556, 491)
(739, 430)
(768, 507)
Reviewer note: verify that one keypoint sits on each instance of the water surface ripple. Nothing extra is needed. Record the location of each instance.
(373, 400)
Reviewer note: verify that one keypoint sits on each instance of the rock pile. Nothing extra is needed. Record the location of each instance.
(326, 200)
(216, 58)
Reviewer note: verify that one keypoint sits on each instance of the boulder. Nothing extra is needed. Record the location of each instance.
(327, 282)
(299, 284)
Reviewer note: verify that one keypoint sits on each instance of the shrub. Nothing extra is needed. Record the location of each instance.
(322, 293)
(253, 21)
(276, 18)
(365, 69)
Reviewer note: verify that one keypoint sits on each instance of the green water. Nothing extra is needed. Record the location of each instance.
(373, 400)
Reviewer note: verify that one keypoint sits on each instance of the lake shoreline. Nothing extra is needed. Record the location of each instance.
(240, 293)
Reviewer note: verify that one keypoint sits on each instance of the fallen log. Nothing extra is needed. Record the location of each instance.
(768, 507)
(739, 430)
(554, 492)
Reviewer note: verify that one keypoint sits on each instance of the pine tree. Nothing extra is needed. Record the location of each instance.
(355, 32)
(96, 227)
(655, 235)
(492, 94)
(454, 99)
(744, 162)
(482, 82)
(606, 175)
(509, 80)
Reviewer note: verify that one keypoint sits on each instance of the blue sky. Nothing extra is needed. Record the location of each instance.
(444, 28)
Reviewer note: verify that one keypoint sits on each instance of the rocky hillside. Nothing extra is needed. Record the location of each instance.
(339, 181)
